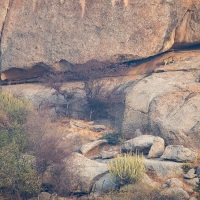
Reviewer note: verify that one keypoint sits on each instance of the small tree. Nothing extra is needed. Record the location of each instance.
(127, 168)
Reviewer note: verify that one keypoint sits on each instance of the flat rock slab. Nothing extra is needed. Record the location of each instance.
(86, 148)
(109, 154)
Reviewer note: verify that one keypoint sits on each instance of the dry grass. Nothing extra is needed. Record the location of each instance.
(4, 120)
(137, 191)
(127, 168)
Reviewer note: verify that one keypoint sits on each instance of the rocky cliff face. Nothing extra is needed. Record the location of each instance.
(78, 31)
(85, 39)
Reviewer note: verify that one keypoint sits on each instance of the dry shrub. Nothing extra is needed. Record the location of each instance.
(127, 168)
(137, 191)
(48, 153)
(43, 141)
(4, 120)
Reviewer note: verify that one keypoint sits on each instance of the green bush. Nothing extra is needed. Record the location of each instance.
(127, 168)
(18, 178)
(113, 138)
(13, 115)
(17, 175)
(16, 109)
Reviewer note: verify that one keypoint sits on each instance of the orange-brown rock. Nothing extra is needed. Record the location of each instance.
(81, 30)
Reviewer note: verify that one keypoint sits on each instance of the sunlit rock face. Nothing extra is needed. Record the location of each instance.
(78, 31)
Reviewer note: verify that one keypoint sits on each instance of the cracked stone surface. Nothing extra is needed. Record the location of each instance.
(49, 31)
(162, 100)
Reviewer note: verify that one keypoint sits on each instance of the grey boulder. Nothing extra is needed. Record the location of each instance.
(179, 153)
(140, 144)
(157, 148)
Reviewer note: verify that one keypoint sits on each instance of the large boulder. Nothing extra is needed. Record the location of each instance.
(80, 31)
(78, 175)
(140, 144)
(105, 184)
(157, 148)
(167, 103)
(164, 169)
(179, 153)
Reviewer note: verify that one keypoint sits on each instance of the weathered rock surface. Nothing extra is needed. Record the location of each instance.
(176, 193)
(4, 6)
(198, 171)
(157, 148)
(109, 154)
(43, 97)
(142, 144)
(164, 169)
(179, 153)
(193, 182)
(79, 175)
(167, 103)
(173, 182)
(98, 128)
(105, 184)
(190, 174)
(86, 148)
(193, 198)
(80, 31)
(148, 181)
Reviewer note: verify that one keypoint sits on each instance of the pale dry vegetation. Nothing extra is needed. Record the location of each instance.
(127, 168)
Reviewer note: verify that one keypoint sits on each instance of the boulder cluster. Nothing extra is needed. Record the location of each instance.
(173, 165)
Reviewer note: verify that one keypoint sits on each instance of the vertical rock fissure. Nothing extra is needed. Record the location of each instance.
(2, 31)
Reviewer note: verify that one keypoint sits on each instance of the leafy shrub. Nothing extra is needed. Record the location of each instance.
(18, 178)
(139, 191)
(113, 138)
(13, 115)
(17, 175)
(16, 109)
(127, 168)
